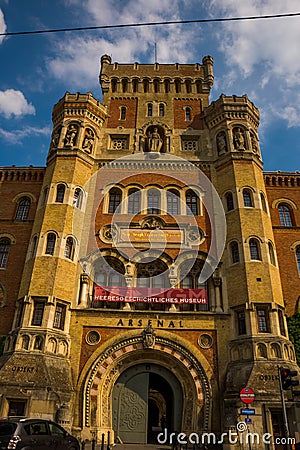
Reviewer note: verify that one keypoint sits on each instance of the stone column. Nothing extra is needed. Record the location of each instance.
(84, 281)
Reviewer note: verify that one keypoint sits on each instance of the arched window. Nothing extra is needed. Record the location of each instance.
(177, 86)
(153, 201)
(229, 201)
(69, 248)
(190, 279)
(248, 200)
(4, 251)
(34, 245)
(78, 197)
(23, 209)
(156, 85)
(285, 215)
(263, 203)
(254, 249)
(235, 256)
(188, 86)
(188, 114)
(161, 110)
(134, 201)
(272, 254)
(173, 202)
(114, 84)
(149, 110)
(135, 85)
(146, 85)
(50, 245)
(152, 275)
(124, 85)
(123, 113)
(192, 203)
(115, 197)
(167, 86)
(110, 274)
(60, 193)
(298, 257)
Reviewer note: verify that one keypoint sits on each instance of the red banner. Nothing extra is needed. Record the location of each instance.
(150, 295)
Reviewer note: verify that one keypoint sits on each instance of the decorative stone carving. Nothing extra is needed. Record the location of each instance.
(71, 135)
(221, 143)
(55, 138)
(254, 143)
(205, 341)
(93, 337)
(153, 223)
(238, 139)
(107, 233)
(148, 336)
(155, 142)
(194, 235)
(88, 140)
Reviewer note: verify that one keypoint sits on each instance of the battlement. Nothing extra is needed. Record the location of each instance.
(156, 78)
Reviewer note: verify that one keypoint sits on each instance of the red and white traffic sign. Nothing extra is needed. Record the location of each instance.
(247, 395)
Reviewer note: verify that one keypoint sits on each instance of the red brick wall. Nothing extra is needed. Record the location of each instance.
(179, 114)
(115, 113)
(10, 277)
(285, 237)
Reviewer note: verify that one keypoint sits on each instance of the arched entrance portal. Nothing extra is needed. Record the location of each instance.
(146, 398)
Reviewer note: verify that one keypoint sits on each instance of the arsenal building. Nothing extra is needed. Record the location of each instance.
(147, 270)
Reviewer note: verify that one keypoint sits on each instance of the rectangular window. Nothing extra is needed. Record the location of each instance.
(38, 312)
(190, 145)
(241, 321)
(59, 316)
(16, 408)
(263, 322)
(119, 142)
(281, 322)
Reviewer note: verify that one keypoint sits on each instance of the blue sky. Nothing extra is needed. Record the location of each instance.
(258, 58)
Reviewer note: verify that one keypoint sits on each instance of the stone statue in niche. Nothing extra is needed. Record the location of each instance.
(221, 143)
(88, 141)
(254, 143)
(55, 138)
(71, 136)
(238, 139)
(155, 142)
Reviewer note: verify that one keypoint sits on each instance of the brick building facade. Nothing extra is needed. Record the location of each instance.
(147, 270)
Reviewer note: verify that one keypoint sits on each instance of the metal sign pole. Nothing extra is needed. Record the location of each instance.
(285, 420)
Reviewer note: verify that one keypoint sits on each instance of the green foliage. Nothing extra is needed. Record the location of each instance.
(293, 323)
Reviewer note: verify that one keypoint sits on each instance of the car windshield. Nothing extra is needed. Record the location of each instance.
(7, 428)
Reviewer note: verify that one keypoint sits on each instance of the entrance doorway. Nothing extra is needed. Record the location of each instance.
(146, 399)
(278, 428)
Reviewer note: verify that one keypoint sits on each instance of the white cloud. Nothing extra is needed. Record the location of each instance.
(262, 55)
(76, 59)
(17, 136)
(2, 25)
(271, 42)
(13, 103)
